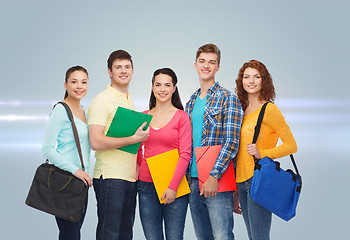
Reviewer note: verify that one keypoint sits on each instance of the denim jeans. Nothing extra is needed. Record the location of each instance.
(116, 202)
(212, 217)
(257, 219)
(70, 230)
(152, 214)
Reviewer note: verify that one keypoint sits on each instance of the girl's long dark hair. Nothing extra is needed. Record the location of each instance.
(175, 98)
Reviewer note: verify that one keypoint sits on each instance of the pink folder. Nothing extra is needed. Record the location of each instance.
(206, 158)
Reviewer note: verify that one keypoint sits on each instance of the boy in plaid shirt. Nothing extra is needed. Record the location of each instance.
(216, 118)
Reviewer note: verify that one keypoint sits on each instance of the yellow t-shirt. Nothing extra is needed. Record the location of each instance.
(273, 127)
(114, 163)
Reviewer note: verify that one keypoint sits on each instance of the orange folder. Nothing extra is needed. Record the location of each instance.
(206, 158)
(162, 168)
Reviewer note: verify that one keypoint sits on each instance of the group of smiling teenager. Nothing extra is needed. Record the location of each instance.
(212, 116)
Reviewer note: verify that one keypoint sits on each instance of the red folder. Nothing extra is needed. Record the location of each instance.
(206, 158)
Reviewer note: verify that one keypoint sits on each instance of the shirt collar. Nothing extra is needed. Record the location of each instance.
(214, 88)
(211, 90)
(117, 93)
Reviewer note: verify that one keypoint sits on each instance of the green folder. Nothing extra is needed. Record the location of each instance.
(125, 123)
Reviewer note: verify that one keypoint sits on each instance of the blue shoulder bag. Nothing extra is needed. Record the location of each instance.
(272, 187)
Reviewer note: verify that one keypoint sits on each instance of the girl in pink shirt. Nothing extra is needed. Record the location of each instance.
(170, 129)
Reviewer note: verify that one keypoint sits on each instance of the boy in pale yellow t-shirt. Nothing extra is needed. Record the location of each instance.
(115, 171)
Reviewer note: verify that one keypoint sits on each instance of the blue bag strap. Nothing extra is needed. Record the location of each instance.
(75, 132)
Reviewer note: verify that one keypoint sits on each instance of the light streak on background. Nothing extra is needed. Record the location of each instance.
(284, 103)
(12, 118)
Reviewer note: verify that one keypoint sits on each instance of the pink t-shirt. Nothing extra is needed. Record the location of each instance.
(176, 134)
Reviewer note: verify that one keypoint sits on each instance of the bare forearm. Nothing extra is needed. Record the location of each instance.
(99, 141)
(109, 143)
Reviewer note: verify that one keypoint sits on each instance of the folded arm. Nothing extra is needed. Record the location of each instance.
(99, 141)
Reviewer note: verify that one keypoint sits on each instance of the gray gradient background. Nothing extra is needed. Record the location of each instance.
(304, 44)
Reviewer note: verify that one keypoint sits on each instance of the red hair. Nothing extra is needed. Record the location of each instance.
(267, 88)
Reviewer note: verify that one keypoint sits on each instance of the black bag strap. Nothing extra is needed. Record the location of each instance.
(256, 134)
(258, 124)
(75, 132)
(295, 166)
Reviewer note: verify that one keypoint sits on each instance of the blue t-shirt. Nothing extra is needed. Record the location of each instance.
(197, 127)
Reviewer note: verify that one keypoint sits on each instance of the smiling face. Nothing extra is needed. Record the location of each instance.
(77, 85)
(207, 65)
(163, 88)
(121, 73)
(252, 81)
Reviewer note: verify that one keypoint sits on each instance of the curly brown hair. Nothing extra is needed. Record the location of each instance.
(267, 88)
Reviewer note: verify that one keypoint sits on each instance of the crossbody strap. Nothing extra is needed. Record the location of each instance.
(257, 131)
(258, 124)
(75, 132)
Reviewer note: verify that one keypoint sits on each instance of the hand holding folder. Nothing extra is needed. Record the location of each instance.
(125, 123)
(162, 168)
(206, 158)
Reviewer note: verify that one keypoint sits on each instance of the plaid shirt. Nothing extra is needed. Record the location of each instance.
(221, 124)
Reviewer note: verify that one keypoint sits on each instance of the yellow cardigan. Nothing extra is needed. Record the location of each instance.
(273, 127)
